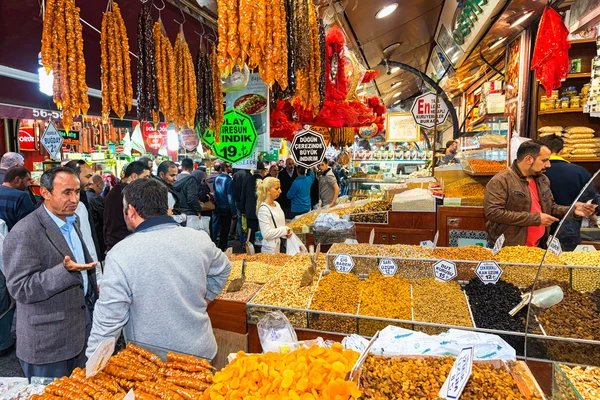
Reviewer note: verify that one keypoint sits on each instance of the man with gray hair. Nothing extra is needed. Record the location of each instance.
(8, 160)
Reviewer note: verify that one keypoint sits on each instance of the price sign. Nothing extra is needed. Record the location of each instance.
(424, 108)
(444, 270)
(237, 139)
(387, 267)
(584, 248)
(343, 263)
(498, 245)
(308, 148)
(100, 357)
(459, 375)
(428, 244)
(52, 141)
(488, 272)
(554, 246)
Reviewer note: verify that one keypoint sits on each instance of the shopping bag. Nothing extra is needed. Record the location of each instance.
(295, 246)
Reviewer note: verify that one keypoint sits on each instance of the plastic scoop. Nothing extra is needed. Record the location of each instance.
(543, 298)
(249, 246)
(309, 273)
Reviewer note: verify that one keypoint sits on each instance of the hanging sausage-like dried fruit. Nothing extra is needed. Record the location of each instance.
(186, 83)
(124, 41)
(165, 73)
(146, 74)
(218, 97)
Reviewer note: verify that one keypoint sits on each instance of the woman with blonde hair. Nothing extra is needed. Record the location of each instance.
(271, 218)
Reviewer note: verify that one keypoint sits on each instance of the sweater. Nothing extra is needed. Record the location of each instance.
(286, 182)
(271, 232)
(299, 192)
(158, 296)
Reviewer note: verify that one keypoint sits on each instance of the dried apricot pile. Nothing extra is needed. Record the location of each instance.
(304, 374)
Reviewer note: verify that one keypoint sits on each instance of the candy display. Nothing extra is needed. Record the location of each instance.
(487, 166)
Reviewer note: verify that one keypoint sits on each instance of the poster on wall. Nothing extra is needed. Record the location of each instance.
(401, 127)
(515, 81)
(253, 100)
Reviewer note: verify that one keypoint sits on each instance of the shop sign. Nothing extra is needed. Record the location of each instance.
(325, 132)
(488, 272)
(466, 17)
(70, 138)
(98, 360)
(154, 138)
(498, 245)
(343, 263)
(308, 148)
(189, 139)
(387, 267)
(26, 139)
(554, 246)
(237, 139)
(423, 110)
(459, 375)
(444, 270)
(52, 141)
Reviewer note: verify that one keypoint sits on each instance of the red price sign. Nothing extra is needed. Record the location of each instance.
(26, 139)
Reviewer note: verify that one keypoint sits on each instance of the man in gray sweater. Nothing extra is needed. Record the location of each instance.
(159, 280)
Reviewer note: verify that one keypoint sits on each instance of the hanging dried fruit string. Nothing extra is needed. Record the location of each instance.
(147, 106)
(205, 113)
(186, 83)
(218, 96)
(308, 75)
(165, 72)
(62, 53)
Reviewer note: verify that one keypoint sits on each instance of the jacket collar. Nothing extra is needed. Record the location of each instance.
(155, 221)
(517, 171)
(53, 232)
(558, 158)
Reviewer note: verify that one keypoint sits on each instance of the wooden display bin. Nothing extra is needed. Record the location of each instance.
(402, 228)
(458, 218)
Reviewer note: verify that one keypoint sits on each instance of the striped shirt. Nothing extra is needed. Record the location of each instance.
(14, 205)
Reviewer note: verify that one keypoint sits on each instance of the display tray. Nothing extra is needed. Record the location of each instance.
(473, 173)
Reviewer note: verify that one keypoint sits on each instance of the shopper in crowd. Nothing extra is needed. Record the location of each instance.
(15, 201)
(206, 199)
(148, 161)
(167, 174)
(450, 153)
(286, 177)
(10, 160)
(210, 181)
(51, 275)
(519, 203)
(7, 312)
(329, 189)
(271, 218)
(115, 228)
(314, 192)
(248, 201)
(344, 180)
(566, 182)
(141, 301)
(299, 193)
(225, 205)
(280, 165)
(96, 202)
(273, 170)
(187, 187)
(239, 180)
(110, 181)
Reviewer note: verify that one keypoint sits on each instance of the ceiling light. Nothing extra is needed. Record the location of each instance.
(393, 85)
(396, 103)
(498, 43)
(395, 69)
(391, 47)
(397, 95)
(362, 93)
(387, 10)
(522, 19)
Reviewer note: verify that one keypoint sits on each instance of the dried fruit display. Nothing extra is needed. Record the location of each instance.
(342, 137)
(180, 377)
(523, 275)
(584, 279)
(487, 166)
(473, 253)
(165, 73)
(62, 53)
(440, 302)
(257, 272)
(313, 373)
(362, 265)
(307, 219)
(337, 293)
(384, 297)
(117, 89)
(471, 191)
(205, 111)
(248, 290)
(422, 378)
(185, 83)
(147, 100)
(585, 379)
(217, 96)
(274, 259)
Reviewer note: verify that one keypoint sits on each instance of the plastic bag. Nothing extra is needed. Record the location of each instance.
(276, 333)
(515, 142)
(295, 246)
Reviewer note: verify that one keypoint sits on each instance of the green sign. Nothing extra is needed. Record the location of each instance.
(466, 17)
(237, 139)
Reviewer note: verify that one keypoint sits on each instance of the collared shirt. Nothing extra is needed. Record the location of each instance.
(68, 231)
(154, 221)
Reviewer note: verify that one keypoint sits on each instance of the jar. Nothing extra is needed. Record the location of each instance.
(585, 90)
(564, 102)
(543, 100)
(550, 103)
(575, 102)
(554, 94)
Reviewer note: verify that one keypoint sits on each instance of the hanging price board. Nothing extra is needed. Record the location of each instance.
(343, 263)
(498, 245)
(459, 375)
(488, 272)
(52, 141)
(387, 267)
(237, 139)
(444, 270)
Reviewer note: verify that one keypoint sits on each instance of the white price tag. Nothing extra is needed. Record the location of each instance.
(459, 375)
(498, 245)
(554, 246)
(130, 395)
(428, 244)
(444, 270)
(387, 267)
(100, 357)
(343, 263)
(584, 248)
(488, 272)
(52, 141)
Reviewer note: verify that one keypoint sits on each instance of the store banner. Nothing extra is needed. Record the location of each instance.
(154, 139)
(26, 139)
(237, 139)
(189, 139)
(253, 101)
(70, 138)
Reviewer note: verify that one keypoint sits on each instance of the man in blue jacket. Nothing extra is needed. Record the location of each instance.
(566, 181)
(299, 192)
(225, 205)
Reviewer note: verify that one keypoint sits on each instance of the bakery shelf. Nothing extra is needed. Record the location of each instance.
(561, 111)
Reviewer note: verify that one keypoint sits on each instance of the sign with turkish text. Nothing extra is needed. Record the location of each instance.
(459, 375)
(308, 148)
(554, 246)
(70, 138)
(387, 267)
(154, 139)
(26, 139)
(584, 248)
(488, 272)
(188, 139)
(237, 139)
(444, 270)
(52, 141)
(423, 110)
(343, 263)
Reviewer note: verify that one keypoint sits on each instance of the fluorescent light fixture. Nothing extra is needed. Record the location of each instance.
(393, 85)
(498, 43)
(522, 19)
(394, 70)
(391, 47)
(396, 103)
(46, 81)
(362, 93)
(387, 10)
(397, 95)
(172, 138)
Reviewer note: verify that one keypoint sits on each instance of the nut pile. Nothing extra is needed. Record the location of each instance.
(256, 272)
(249, 289)
(373, 212)
(526, 255)
(468, 189)
(471, 253)
(361, 265)
(487, 165)
(523, 275)
(336, 293)
(440, 302)
(307, 219)
(422, 378)
(586, 280)
(273, 259)
(385, 297)
(585, 379)
(405, 251)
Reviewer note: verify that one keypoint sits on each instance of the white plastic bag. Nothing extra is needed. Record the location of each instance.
(276, 333)
(515, 143)
(295, 246)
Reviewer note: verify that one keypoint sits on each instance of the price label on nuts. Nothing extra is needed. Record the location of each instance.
(488, 272)
(459, 375)
(584, 248)
(444, 270)
(498, 245)
(387, 267)
(343, 263)
(554, 246)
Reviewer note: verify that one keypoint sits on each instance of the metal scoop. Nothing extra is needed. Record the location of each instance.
(249, 246)
(544, 298)
(309, 273)
(236, 284)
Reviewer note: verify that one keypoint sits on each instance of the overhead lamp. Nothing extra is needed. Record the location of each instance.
(46, 79)
(396, 103)
(172, 138)
(387, 10)
(393, 85)
(498, 42)
(522, 19)
(391, 47)
(397, 95)
(394, 70)
(362, 93)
